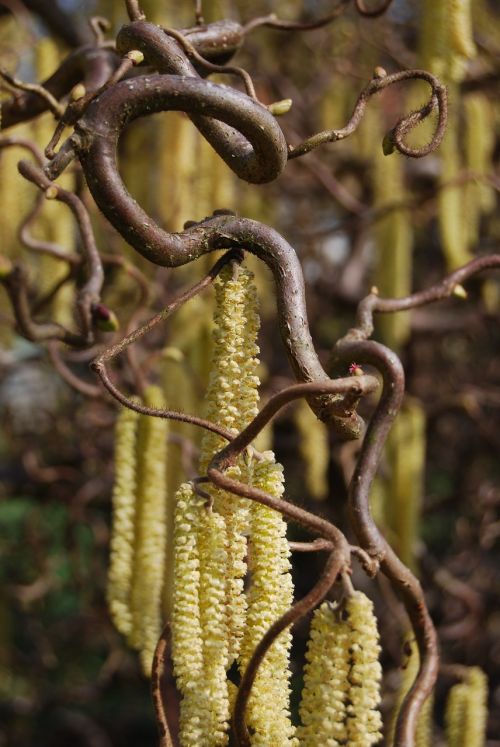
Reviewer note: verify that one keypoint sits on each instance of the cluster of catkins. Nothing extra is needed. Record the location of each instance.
(229, 579)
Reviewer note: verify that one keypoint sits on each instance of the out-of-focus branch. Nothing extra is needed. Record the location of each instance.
(89, 294)
(62, 24)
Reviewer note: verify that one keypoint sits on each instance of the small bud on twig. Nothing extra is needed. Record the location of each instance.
(105, 319)
(51, 192)
(136, 56)
(280, 107)
(459, 291)
(78, 92)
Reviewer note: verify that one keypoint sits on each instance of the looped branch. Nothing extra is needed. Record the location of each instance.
(395, 138)
(351, 347)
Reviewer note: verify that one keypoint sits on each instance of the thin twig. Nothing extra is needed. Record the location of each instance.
(395, 139)
(52, 103)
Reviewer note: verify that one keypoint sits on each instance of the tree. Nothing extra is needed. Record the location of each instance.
(228, 600)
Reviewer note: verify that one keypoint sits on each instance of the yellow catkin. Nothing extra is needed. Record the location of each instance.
(150, 531)
(213, 549)
(123, 521)
(467, 711)
(269, 596)
(446, 45)
(341, 696)
(187, 648)
(323, 705)
(222, 528)
(446, 42)
(423, 733)
(461, 38)
(232, 402)
(405, 453)
(363, 716)
(479, 197)
(314, 449)
(451, 214)
(179, 391)
(394, 244)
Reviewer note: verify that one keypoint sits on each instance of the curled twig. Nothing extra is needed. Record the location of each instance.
(89, 294)
(53, 105)
(395, 139)
(351, 347)
(449, 286)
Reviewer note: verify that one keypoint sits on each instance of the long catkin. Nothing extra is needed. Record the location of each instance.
(123, 521)
(150, 531)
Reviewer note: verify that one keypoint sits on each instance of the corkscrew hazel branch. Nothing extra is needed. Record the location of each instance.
(395, 139)
(354, 346)
(451, 285)
(210, 67)
(134, 11)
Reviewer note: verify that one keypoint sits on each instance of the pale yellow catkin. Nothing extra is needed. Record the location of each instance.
(214, 548)
(270, 595)
(446, 40)
(232, 401)
(479, 196)
(150, 530)
(394, 243)
(123, 521)
(222, 528)
(446, 45)
(341, 696)
(405, 453)
(187, 641)
(451, 213)
(179, 391)
(323, 705)
(467, 711)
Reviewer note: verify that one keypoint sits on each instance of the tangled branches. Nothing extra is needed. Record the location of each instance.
(148, 70)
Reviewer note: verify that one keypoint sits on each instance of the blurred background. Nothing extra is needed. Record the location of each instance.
(357, 219)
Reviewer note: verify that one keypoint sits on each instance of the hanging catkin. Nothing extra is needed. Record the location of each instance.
(269, 596)
(404, 488)
(211, 541)
(341, 695)
(466, 711)
(479, 197)
(231, 401)
(150, 530)
(187, 646)
(123, 521)
(394, 243)
(446, 45)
